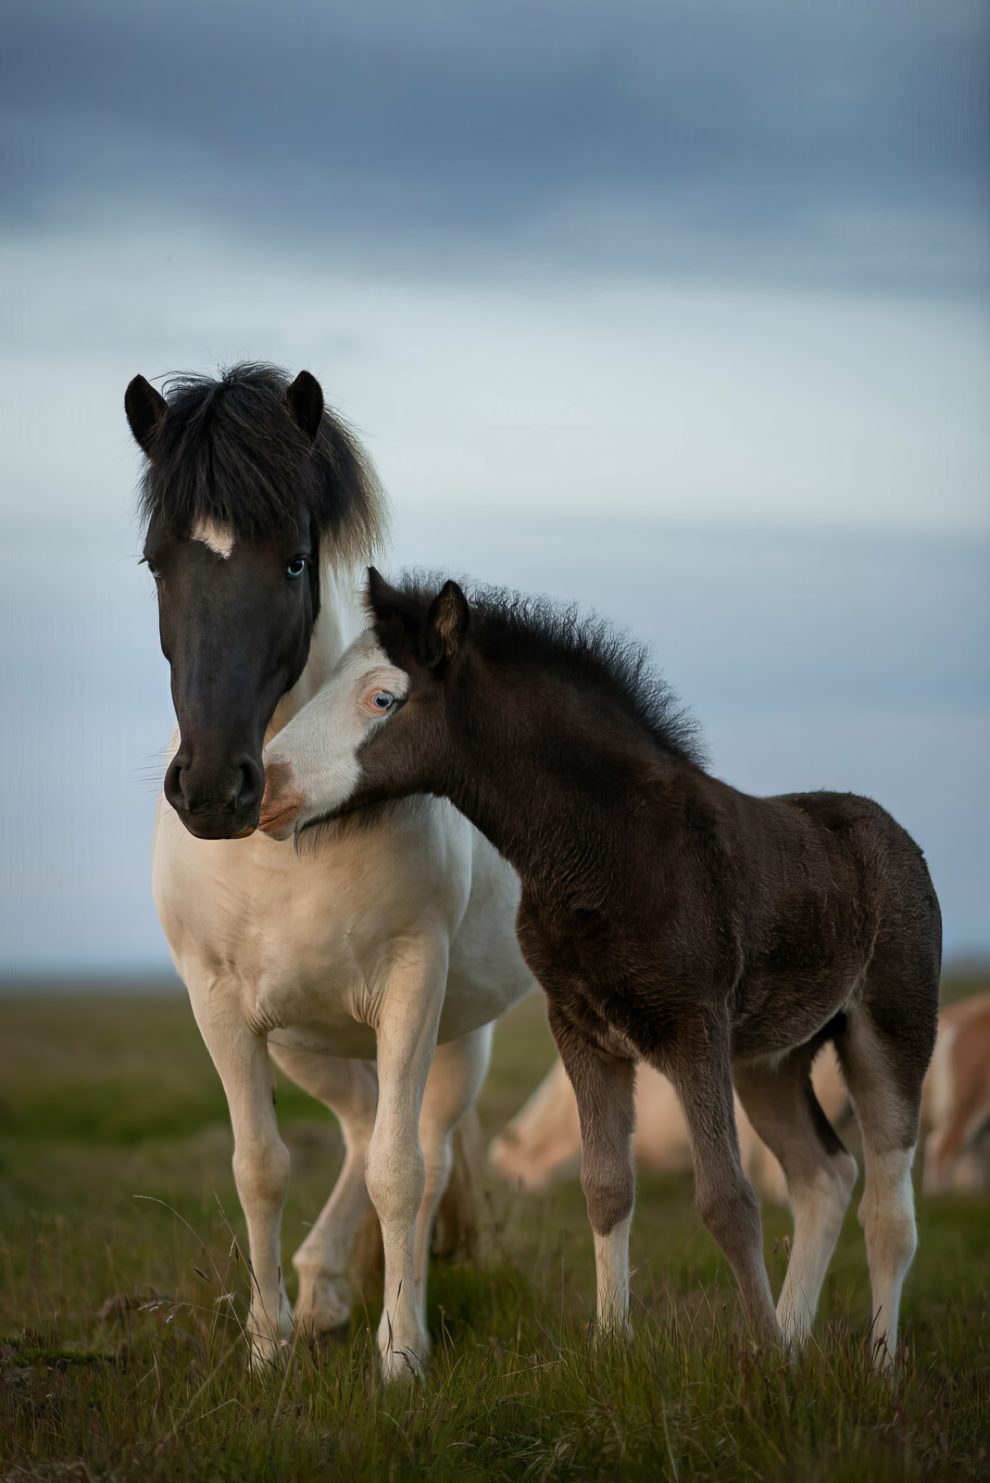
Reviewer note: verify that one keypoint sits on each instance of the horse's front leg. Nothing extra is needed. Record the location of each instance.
(407, 1034)
(261, 1168)
(604, 1088)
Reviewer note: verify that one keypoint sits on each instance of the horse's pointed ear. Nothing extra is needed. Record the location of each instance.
(145, 408)
(446, 624)
(305, 398)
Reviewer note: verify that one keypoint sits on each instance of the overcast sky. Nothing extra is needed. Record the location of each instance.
(678, 308)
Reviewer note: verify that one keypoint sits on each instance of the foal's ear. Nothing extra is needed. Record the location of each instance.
(145, 408)
(380, 597)
(446, 625)
(305, 399)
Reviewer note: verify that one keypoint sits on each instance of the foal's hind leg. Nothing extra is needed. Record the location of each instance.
(603, 1087)
(698, 1064)
(885, 1085)
(820, 1174)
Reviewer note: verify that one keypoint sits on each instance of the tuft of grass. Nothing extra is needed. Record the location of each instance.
(123, 1294)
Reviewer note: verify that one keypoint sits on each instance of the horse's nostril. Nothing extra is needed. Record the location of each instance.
(172, 785)
(250, 786)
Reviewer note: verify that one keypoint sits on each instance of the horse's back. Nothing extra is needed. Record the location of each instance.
(893, 876)
(899, 907)
(837, 906)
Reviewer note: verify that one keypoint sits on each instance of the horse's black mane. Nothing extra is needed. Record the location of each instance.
(229, 451)
(508, 623)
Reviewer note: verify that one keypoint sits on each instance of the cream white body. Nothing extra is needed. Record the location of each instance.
(351, 962)
(956, 1104)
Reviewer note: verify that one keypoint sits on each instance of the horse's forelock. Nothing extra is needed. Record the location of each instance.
(229, 453)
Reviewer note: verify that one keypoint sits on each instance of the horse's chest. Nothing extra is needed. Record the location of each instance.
(253, 918)
(299, 942)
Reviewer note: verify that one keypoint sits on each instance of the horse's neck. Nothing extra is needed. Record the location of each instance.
(337, 625)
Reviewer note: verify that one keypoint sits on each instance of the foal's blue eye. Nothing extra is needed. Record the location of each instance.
(383, 701)
(296, 566)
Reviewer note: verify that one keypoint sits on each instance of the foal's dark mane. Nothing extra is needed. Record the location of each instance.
(230, 451)
(508, 624)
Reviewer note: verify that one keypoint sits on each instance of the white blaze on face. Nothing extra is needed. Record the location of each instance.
(219, 538)
(315, 756)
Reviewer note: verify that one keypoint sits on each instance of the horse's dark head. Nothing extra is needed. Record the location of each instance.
(247, 478)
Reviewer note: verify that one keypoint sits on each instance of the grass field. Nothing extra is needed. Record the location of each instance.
(121, 1354)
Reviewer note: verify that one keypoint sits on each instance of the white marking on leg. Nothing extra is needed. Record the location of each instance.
(612, 1277)
(219, 538)
(819, 1205)
(886, 1214)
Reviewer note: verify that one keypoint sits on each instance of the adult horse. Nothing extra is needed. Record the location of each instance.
(390, 941)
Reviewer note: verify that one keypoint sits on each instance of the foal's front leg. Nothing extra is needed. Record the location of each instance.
(261, 1167)
(604, 1087)
(407, 1035)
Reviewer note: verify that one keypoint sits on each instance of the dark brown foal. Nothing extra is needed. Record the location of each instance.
(671, 919)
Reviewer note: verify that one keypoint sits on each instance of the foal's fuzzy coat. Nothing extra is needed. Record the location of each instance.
(673, 919)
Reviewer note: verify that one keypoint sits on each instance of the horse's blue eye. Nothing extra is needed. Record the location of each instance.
(296, 566)
(383, 700)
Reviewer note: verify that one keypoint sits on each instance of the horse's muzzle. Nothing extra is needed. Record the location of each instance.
(225, 808)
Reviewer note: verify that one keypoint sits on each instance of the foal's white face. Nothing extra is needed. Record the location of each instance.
(311, 766)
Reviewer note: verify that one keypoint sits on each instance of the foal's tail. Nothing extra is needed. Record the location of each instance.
(458, 1226)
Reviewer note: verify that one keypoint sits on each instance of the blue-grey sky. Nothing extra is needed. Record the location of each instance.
(678, 308)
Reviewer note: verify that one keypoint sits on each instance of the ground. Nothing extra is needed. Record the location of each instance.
(121, 1354)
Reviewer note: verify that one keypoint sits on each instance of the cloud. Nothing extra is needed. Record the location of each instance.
(808, 409)
(841, 145)
(666, 305)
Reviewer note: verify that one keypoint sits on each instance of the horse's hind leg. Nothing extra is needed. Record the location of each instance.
(350, 1090)
(820, 1174)
(884, 1060)
(455, 1078)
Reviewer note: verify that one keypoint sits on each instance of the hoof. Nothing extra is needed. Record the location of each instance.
(269, 1345)
(324, 1305)
(266, 1353)
(402, 1366)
